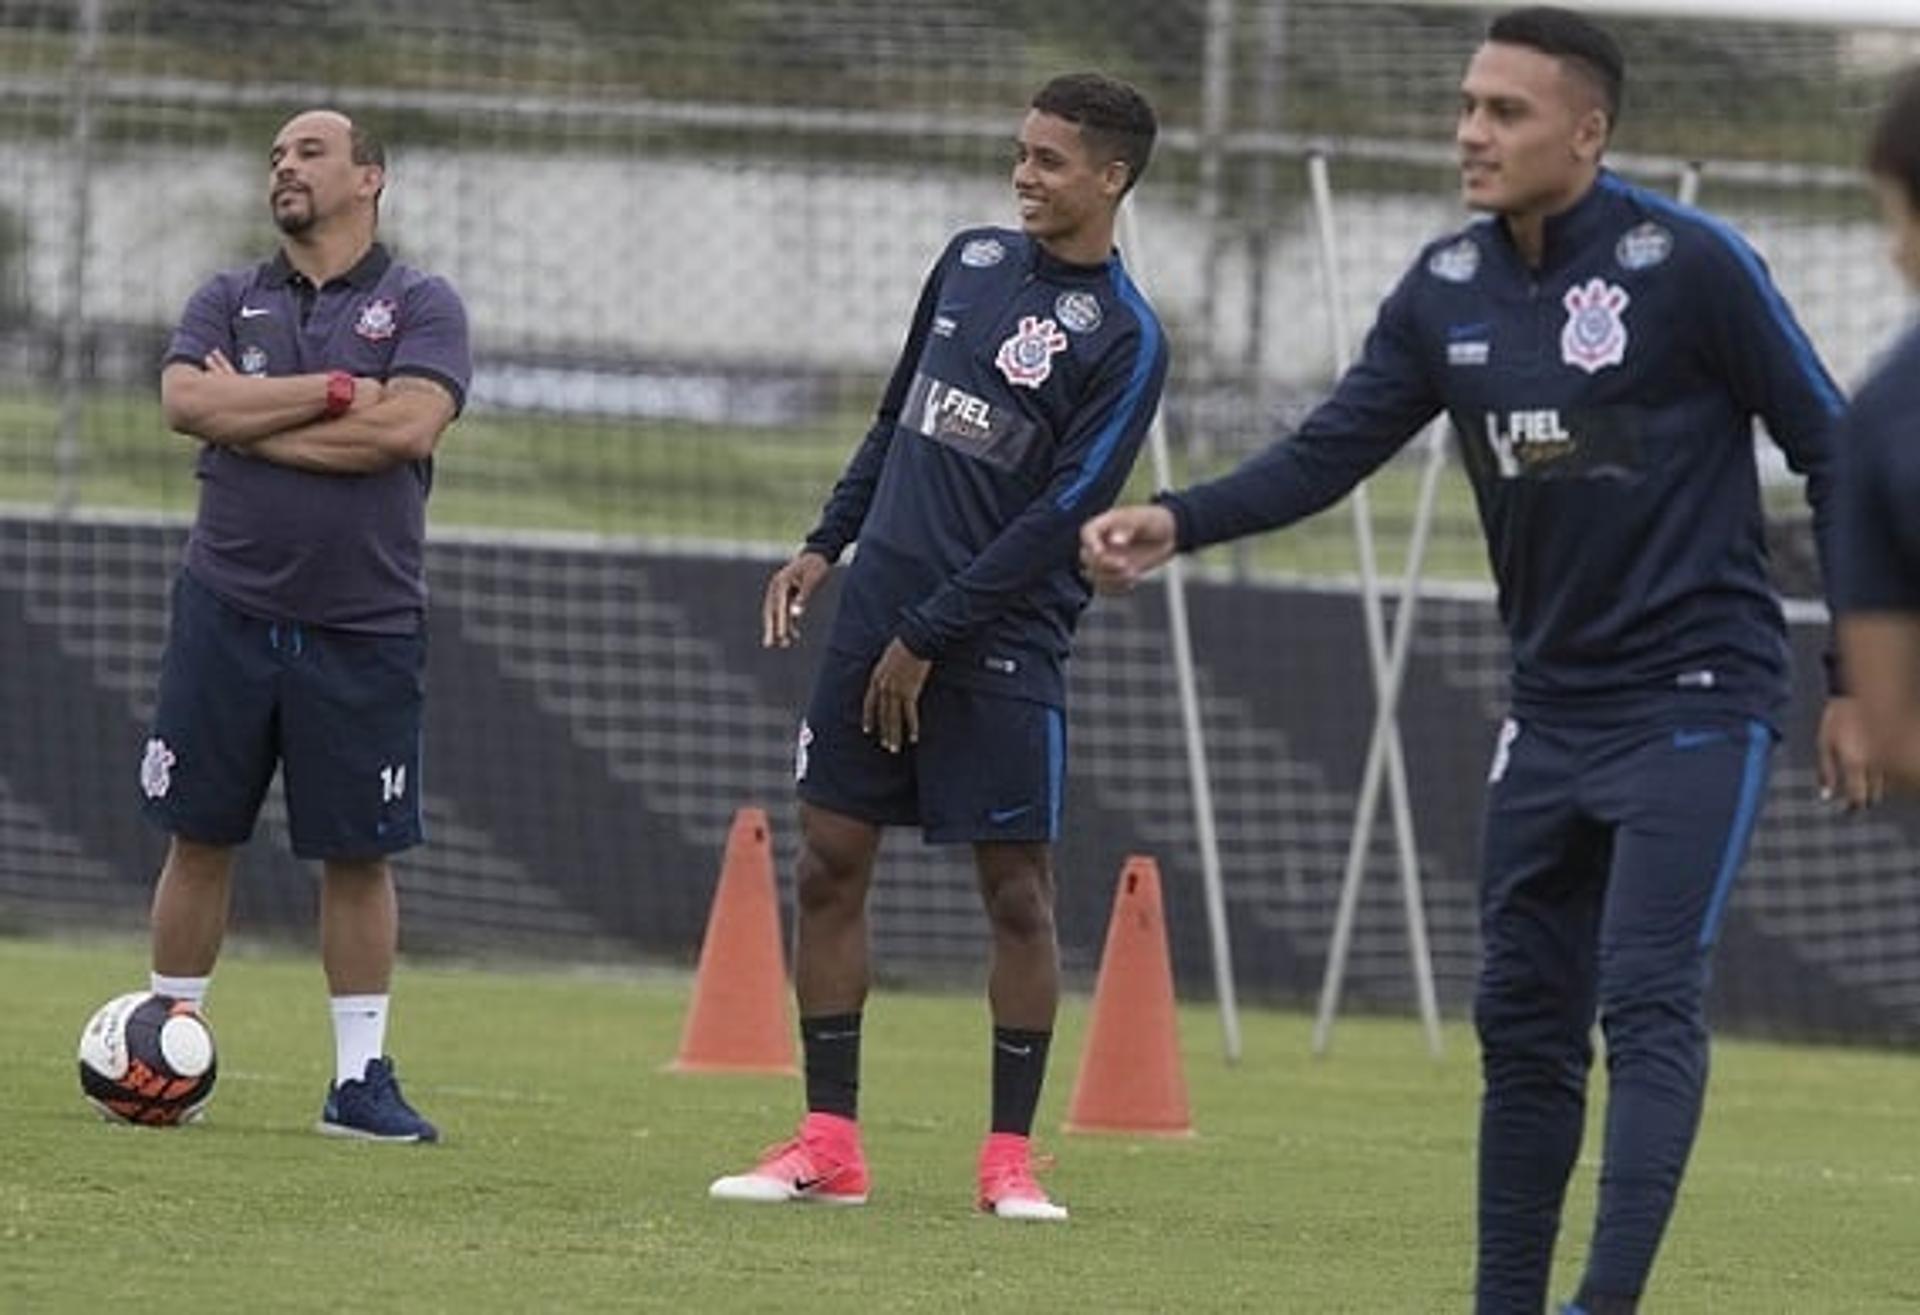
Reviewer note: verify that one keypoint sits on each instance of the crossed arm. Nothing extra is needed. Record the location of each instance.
(282, 419)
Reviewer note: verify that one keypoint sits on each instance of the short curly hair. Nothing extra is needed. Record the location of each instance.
(1115, 120)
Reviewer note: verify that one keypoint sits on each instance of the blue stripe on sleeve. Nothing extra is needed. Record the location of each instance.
(1122, 420)
(1769, 294)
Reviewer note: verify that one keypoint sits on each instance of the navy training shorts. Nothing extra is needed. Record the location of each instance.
(986, 768)
(338, 712)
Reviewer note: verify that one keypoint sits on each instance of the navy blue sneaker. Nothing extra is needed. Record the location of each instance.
(373, 1109)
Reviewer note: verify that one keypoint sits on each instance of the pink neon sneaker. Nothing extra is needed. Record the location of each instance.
(1007, 1186)
(822, 1163)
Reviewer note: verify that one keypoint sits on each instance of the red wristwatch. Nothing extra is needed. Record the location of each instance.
(339, 393)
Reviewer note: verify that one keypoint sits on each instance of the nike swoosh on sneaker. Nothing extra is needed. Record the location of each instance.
(807, 1184)
(252, 312)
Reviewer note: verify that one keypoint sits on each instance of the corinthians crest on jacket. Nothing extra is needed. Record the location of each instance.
(1595, 335)
(1026, 358)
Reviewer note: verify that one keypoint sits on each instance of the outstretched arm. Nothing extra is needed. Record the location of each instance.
(1384, 400)
(1121, 547)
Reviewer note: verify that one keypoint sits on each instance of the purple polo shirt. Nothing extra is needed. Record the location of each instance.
(341, 551)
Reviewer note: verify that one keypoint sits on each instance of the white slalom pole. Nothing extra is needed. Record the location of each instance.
(1384, 758)
(1384, 752)
(1689, 192)
(1180, 637)
(1419, 952)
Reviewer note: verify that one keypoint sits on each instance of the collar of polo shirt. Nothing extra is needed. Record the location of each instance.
(365, 273)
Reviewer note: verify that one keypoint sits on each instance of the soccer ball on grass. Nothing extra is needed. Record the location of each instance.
(147, 1059)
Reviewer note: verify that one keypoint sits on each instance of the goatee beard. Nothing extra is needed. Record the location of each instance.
(293, 222)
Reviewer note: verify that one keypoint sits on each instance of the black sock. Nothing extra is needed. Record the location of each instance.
(832, 1046)
(1019, 1066)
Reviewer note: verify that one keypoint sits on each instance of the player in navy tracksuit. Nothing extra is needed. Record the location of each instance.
(1028, 379)
(1601, 353)
(1878, 568)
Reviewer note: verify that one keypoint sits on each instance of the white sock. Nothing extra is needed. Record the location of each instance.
(359, 1034)
(191, 989)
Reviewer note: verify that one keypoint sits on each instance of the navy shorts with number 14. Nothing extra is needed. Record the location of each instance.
(339, 713)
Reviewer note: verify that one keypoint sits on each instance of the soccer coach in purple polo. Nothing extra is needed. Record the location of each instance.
(318, 385)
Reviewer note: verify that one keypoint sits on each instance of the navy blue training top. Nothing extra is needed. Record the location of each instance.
(1014, 413)
(342, 551)
(1878, 564)
(1604, 407)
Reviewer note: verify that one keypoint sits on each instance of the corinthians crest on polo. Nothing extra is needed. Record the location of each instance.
(379, 320)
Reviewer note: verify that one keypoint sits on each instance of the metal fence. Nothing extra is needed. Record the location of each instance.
(690, 232)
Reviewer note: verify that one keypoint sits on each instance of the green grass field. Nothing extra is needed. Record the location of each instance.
(574, 1169)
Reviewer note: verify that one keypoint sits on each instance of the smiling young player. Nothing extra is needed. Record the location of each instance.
(1029, 376)
(1602, 353)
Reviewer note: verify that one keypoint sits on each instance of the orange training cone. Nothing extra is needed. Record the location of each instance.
(738, 1019)
(1130, 1077)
